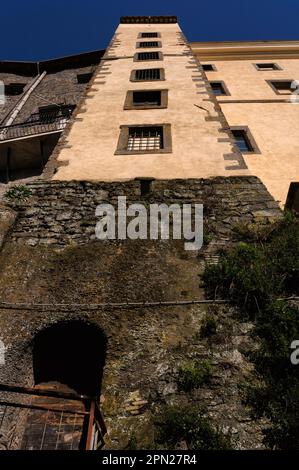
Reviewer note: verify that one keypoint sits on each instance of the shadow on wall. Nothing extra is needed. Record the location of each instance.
(71, 353)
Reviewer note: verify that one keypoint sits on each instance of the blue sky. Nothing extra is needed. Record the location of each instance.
(42, 29)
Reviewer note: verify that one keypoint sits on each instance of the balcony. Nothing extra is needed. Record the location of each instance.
(47, 122)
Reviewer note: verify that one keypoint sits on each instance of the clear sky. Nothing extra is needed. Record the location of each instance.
(42, 29)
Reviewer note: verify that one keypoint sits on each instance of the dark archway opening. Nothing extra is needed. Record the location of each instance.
(71, 353)
(68, 358)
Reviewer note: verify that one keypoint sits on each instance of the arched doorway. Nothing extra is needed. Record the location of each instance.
(68, 362)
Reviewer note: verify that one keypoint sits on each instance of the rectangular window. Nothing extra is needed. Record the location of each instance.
(84, 77)
(146, 99)
(148, 44)
(244, 140)
(209, 67)
(144, 139)
(281, 87)
(219, 88)
(142, 56)
(145, 75)
(267, 66)
(14, 89)
(149, 35)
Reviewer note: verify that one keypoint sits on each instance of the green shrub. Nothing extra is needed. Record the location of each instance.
(194, 374)
(189, 424)
(252, 275)
(256, 276)
(18, 192)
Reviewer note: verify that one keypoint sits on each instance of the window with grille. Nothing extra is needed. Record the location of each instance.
(146, 99)
(147, 44)
(244, 140)
(281, 87)
(148, 56)
(145, 138)
(144, 75)
(219, 88)
(137, 139)
(149, 35)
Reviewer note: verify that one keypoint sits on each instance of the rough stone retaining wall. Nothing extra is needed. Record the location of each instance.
(51, 256)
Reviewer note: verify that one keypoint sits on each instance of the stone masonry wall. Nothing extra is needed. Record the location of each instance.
(51, 257)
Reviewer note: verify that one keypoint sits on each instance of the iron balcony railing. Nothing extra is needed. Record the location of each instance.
(53, 421)
(36, 124)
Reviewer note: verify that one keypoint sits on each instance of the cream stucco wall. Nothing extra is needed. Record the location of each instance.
(198, 146)
(273, 124)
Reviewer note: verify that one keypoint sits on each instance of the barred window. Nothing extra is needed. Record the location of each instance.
(145, 138)
(146, 99)
(148, 56)
(146, 44)
(144, 75)
(149, 35)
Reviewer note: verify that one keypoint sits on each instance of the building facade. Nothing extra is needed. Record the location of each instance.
(220, 109)
(253, 85)
(92, 332)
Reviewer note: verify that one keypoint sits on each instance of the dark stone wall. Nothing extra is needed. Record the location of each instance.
(62, 213)
(51, 257)
(55, 88)
(11, 101)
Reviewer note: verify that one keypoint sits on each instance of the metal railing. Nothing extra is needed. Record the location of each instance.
(55, 425)
(37, 124)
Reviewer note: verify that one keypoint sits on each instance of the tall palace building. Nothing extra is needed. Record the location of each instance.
(154, 105)
(92, 332)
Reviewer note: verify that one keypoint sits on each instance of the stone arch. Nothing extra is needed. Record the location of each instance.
(72, 353)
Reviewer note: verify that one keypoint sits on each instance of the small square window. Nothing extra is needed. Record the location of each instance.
(143, 56)
(144, 139)
(244, 140)
(84, 77)
(146, 75)
(281, 87)
(209, 67)
(267, 66)
(219, 88)
(149, 35)
(146, 99)
(14, 89)
(149, 44)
